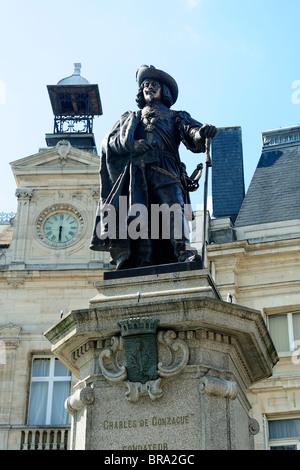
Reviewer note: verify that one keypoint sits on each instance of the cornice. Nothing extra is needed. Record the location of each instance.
(243, 246)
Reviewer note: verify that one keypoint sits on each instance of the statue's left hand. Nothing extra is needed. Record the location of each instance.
(207, 131)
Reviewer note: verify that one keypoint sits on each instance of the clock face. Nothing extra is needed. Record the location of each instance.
(60, 227)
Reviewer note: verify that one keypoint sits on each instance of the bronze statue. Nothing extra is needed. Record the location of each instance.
(140, 167)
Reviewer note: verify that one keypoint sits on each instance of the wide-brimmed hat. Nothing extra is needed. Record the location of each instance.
(149, 72)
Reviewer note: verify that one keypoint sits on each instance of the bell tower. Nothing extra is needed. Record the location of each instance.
(75, 102)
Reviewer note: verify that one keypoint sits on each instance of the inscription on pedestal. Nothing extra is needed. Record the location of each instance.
(152, 425)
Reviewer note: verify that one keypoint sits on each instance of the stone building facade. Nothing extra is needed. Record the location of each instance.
(253, 255)
(256, 262)
(40, 280)
(47, 268)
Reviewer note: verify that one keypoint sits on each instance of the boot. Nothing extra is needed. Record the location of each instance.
(184, 253)
(142, 253)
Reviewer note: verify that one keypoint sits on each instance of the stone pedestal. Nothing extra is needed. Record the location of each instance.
(162, 364)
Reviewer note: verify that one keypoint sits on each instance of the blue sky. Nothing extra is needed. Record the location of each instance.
(235, 62)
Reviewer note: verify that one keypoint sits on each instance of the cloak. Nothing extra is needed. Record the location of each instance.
(122, 171)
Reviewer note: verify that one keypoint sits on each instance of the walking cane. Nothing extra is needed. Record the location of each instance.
(208, 163)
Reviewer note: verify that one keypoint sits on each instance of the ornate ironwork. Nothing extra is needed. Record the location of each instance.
(75, 116)
(73, 124)
(5, 217)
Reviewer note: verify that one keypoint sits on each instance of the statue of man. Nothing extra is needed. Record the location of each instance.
(140, 168)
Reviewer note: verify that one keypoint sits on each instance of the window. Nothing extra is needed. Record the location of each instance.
(285, 330)
(284, 434)
(50, 386)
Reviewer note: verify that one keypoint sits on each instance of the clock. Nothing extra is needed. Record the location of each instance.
(60, 225)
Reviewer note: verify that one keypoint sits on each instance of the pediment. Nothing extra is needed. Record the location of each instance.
(58, 162)
(63, 155)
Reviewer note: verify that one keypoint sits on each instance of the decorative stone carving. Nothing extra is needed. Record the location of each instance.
(281, 137)
(63, 148)
(218, 387)
(137, 389)
(15, 283)
(139, 339)
(95, 192)
(253, 426)
(10, 333)
(9, 340)
(24, 193)
(109, 358)
(119, 365)
(79, 399)
(177, 350)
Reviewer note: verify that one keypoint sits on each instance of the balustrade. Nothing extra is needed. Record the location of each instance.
(44, 438)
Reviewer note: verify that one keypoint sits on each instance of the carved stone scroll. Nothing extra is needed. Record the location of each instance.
(79, 399)
(172, 357)
(177, 350)
(137, 389)
(112, 370)
(218, 387)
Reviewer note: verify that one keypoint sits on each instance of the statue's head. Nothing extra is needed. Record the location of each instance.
(152, 91)
(169, 89)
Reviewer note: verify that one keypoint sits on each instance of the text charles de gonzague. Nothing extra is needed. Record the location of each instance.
(154, 421)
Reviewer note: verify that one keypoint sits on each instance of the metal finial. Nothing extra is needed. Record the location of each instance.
(77, 68)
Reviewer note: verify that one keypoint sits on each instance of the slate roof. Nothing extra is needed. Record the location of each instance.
(228, 188)
(274, 192)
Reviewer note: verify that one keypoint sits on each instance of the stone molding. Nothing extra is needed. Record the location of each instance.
(79, 352)
(174, 352)
(10, 334)
(281, 137)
